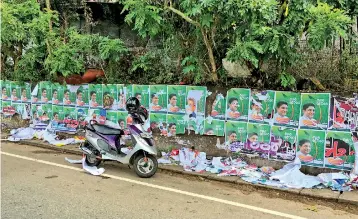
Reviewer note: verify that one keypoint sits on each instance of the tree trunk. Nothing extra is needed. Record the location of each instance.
(214, 75)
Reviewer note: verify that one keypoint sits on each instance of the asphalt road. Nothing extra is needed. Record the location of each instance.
(39, 183)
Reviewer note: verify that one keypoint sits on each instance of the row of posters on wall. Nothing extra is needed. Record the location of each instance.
(317, 111)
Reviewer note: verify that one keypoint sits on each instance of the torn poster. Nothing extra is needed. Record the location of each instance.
(141, 92)
(261, 106)
(258, 140)
(110, 96)
(344, 114)
(283, 141)
(339, 151)
(178, 121)
(218, 108)
(214, 127)
(235, 135)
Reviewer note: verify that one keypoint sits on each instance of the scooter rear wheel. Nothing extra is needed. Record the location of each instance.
(145, 166)
(91, 160)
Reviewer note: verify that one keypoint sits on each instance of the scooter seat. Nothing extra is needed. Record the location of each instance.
(106, 130)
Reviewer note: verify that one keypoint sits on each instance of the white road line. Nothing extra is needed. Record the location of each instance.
(223, 201)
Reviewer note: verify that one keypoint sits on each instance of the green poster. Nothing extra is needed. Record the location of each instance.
(235, 135)
(5, 90)
(339, 152)
(36, 111)
(42, 112)
(176, 99)
(196, 125)
(315, 110)
(58, 113)
(82, 95)
(110, 96)
(141, 92)
(25, 92)
(112, 116)
(58, 94)
(69, 96)
(258, 139)
(124, 92)
(70, 113)
(122, 119)
(44, 92)
(47, 111)
(178, 121)
(283, 142)
(311, 144)
(219, 107)
(237, 103)
(19, 107)
(158, 98)
(158, 121)
(94, 114)
(287, 108)
(195, 101)
(261, 106)
(7, 109)
(82, 114)
(214, 127)
(95, 95)
(15, 91)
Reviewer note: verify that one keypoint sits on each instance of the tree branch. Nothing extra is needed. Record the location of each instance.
(185, 17)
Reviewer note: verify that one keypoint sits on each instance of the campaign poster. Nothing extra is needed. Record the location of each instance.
(258, 140)
(344, 114)
(339, 152)
(112, 116)
(58, 94)
(141, 92)
(195, 101)
(95, 96)
(15, 91)
(70, 113)
(176, 99)
(235, 135)
(287, 108)
(47, 108)
(7, 109)
(82, 96)
(310, 147)
(178, 121)
(158, 123)
(195, 124)
(25, 93)
(5, 90)
(123, 93)
(237, 104)
(19, 107)
(123, 119)
(158, 98)
(57, 113)
(94, 114)
(219, 107)
(283, 142)
(69, 95)
(261, 106)
(82, 114)
(314, 110)
(41, 112)
(214, 127)
(44, 92)
(110, 96)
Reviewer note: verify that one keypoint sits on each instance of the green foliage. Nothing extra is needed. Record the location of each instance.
(287, 80)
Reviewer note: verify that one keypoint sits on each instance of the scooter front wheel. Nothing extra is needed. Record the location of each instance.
(91, 160)
(145, 166)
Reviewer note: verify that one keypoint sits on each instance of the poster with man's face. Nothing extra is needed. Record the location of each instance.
(58, 113)
(283, 142)
(158, 98)
(6, 90)
(110, 96)
(95, 96)
(176, 99)
(178, 121)
(58, 94)
(44, 92)
(123, 119)
(112, 116)
(214, 127)
(195, 101)
(261, 106)
(235, 135)
(25, 93)
(339, 151)
(287, 108)
(237, 104)
(69, 95)
(15, 94)
(70, 113)
(218, 107)
(310, 147)
(123, 93)
(158, 123)
(258, 139)
(141, 92)
(314, 110)
(82, 95)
